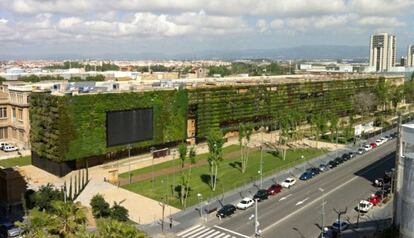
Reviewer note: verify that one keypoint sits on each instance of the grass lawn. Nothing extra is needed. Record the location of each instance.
(171, 163)
(229, 176)
(18, 161)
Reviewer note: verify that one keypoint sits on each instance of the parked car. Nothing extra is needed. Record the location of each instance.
(314, 171)
(373, 145)
(346, 157)
(323, 167)
(379, 182)
(9, 230)
(364, 206)
(274, 188)
(367, 148)
(361, 151)
(339, 160)
(333, 163)
(226, 210)
(340, 226)
(379, 142)
(261, 195)
(289, 182)
(351, 155)
(375, 199)
(245, 203)
(10, 148)
(384, 139)
(2, 144)
(306, 176)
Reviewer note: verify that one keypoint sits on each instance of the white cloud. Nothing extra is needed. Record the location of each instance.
(277, 24)
(262, 25)
(380, 22)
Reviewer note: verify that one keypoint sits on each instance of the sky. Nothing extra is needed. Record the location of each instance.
(93, 27)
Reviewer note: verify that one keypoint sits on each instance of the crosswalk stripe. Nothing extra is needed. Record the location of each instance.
(227, 236)
(188, 230)
(213, 235)
(198, 233)
(205, 234)
(220, 235)
(192, 232)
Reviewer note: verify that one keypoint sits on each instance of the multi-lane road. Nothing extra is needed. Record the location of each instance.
(296, 212)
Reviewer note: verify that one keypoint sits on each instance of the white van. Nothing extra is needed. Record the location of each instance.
(10, 148)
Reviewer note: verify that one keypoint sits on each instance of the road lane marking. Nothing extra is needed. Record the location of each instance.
(283, 198)
(300, 202)
(230, 231)
(326, 194)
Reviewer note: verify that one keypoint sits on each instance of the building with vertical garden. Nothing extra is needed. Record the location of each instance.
(72, 127)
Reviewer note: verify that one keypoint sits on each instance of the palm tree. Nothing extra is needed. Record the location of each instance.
(115, 229)
(70, 217)
(245, 132)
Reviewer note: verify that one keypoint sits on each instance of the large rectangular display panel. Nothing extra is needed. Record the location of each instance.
(129, 126)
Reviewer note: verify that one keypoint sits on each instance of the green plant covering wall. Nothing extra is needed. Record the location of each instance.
(74, 127)
(226, 106)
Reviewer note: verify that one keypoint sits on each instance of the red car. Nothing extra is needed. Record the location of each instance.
(275, 188)
(375, 199)
(373, 145)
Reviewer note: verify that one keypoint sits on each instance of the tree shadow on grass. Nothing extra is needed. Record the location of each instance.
(236, 165)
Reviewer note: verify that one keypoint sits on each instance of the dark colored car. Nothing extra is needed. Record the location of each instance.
(226, 210)
(351, 155)
(9, 230)
(333, 164)
(346, 157)
(323, 167)
(261, 195)
(339, 160)
(314, 171)
(306, 176)
(275, 188)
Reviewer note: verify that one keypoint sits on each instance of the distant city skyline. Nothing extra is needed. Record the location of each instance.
(41, 28)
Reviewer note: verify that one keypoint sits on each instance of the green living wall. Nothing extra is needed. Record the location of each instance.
(74, 127)
(225, 107)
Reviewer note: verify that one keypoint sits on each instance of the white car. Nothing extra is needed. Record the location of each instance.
(245, 203)
(364, 206)
(384, 139)
(289, 182)
(10, 148)
(2, 144)
(367, 148)
(379, 142)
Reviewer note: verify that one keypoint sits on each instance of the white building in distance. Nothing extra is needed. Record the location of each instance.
(382, 52)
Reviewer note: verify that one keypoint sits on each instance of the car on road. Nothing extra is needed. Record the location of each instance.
(323, 167)
(375, 199)
(379, 182)
(274, 189)
(314, 171)
(351, 155)
(261, 195)
(289, 182)
(384, 139)
(306, 176)
(10, 148)
(367, 148)
(364, 206)
(373, 145)
(333, 163)
(361, 151)
(2, 144)
(339, 160)
(245, 203)
(346, 157)
(226, 210)
(379, 142)
(340, 225)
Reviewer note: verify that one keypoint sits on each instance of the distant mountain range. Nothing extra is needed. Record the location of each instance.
(305, 52)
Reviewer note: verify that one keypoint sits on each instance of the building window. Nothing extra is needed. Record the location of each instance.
(3, 133)
(3, 112)
(20, 114)
(13, 113)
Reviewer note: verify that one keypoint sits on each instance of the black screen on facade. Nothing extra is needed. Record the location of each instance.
(130, 126)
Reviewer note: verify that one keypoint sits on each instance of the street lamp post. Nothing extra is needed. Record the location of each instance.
(255, 216)
(200, 200)
(322, 212)
(261, 167)
(173, 154)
